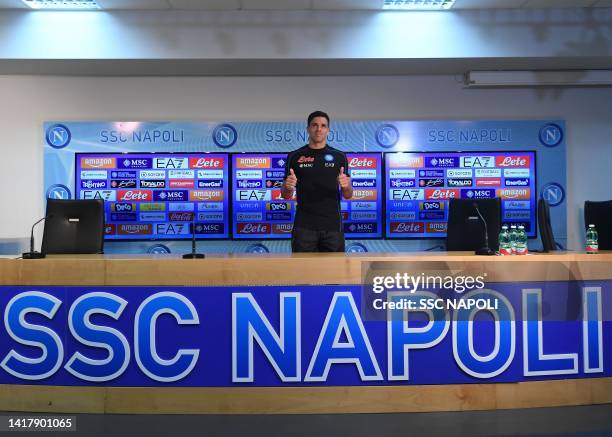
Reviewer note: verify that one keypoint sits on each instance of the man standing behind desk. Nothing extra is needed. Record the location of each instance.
(313, 173)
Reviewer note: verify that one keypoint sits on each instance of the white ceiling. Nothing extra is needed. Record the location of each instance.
(318, 4)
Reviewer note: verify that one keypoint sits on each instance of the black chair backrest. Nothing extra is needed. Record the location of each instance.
(465, 229)
(74, 226)
(546, 233)
(600, 215)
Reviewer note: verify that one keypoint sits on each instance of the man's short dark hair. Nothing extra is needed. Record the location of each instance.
(318, 114)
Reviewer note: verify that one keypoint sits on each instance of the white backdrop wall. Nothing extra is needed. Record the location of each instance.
(28, 101)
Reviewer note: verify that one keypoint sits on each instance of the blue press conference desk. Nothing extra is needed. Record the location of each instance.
(270, 333)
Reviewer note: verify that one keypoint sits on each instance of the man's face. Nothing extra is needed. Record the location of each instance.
(318, 129)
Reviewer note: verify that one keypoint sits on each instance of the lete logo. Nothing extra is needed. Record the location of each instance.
(134, 195)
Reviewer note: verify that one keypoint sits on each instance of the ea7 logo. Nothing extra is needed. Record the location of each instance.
(477, 161)
(408, 194)
(170, 163)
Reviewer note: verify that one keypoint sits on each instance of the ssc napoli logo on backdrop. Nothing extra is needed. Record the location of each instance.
(225, 135)
(356, 248)
(158, 248)
(551, 135)
(58, 191)
(553, 193)
(257, 248)
(58, 136)
(387, 136)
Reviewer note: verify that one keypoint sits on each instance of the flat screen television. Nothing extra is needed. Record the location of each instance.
(154, 196)
(418, 186)
(260, 212)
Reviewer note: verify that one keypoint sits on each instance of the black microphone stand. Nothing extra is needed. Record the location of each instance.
(193, 254)
(32, 254)
(486, 250)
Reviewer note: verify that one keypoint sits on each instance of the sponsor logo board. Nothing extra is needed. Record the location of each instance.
(94, 174)
(488, 182)
(406, 194)
(152, 174)
(442, 194)
(135, 229)
(400, 174)
(152, 216)
(170, 163)
(152, 207)
(406, 227)
(212, 163)
(107, 195)
(402, 215)
(514, 193)
(98, 162)
(459, 173)
(152, 184)
(253, 162)
(477, 161)
(206, 195)
(210, 174)
(483, 193)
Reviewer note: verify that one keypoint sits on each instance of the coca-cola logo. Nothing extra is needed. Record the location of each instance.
(253, 228)
(512, 161)
(362, 163)
(180, 216)
(135, 195)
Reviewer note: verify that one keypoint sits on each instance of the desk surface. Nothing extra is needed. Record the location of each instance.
(277, 269)
(284, 269)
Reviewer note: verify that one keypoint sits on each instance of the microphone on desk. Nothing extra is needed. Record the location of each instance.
(193, 253)
(486, 250)
(32, 254)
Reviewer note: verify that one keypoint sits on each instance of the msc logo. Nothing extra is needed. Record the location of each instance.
(224, 135)
(553, 193)
(551, 135)
(387, 136)
(58, 191)
(257, 248)
(58, 136)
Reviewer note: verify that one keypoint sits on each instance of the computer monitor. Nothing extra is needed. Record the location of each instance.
(74, 226)
(466, 230)
(546, 233)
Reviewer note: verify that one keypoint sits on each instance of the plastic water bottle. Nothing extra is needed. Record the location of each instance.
(505, 247)
(513, 234)
(592, 245)
(521, 241)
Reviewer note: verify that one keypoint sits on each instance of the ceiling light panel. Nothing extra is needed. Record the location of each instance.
(62, 4)
(418, 5)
